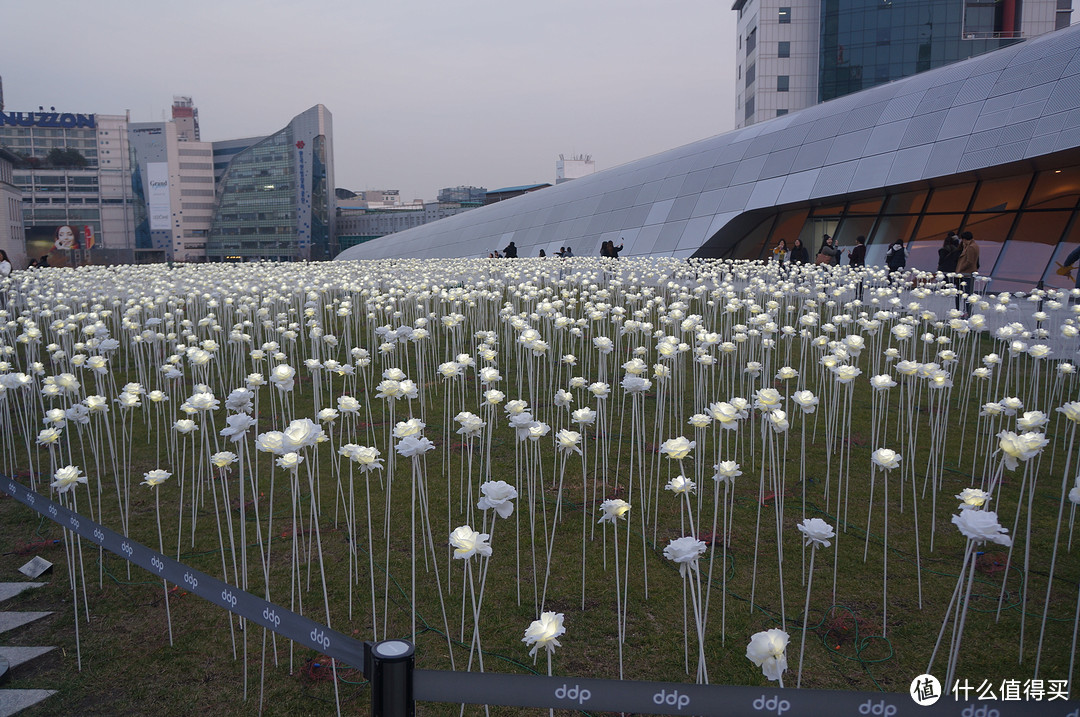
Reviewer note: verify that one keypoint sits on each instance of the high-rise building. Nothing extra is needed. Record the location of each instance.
(274, 195)
(75, 174)
(791, 54)
(186, 118)
(175, 179)
(12, 239)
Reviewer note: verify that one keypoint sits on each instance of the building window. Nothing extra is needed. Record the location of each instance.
(751, 73)
(782, 82)
(783, 49)
(751, 41)
(749, 107)
(738, 75)
(785, 16)
(781, 113)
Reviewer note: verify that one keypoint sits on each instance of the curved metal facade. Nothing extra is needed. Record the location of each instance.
(1015, 104)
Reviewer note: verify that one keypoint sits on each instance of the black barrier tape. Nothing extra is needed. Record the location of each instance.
(688, 699)
(533, 690)
(299, 629)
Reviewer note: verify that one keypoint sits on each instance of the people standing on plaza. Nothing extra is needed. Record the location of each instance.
(829, 253)
(857, 260)
(948, 256)
(896, 257)
(615, 249)
(5, 265)
(780, 253)
(510, 252)
(798, 255)
(968, 263)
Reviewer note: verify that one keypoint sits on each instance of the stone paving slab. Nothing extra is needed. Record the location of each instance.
(10, 590)
(12, 620)
(13, 701)
(19, 655)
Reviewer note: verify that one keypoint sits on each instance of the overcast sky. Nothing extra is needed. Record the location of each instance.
(424, 94)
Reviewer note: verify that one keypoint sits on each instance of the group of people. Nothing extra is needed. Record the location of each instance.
(959, 256)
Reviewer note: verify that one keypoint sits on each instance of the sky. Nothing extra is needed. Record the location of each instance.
(424, 94)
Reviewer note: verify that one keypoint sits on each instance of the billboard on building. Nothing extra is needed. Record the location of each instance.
(157, 199)
(59, 245)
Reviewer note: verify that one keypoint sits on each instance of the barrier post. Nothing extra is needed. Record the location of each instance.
(389, 666)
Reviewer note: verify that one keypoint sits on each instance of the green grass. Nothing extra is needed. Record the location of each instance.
(128, 666)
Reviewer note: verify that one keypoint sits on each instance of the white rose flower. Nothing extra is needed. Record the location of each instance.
(632, 383)
(787, 373)
(677, 448)
(992, 408)
(1020, 447)
(778, 420)
(972, 498)
(411, 427)
(685, 551)
(494, 397)
(886, 458)
(699, 420)
(805, 400)
(301, 433)
(1032, 420)
(1071, 411)
(544, 632)
(567, 440)
(156, 477)
(882, 382)
(236, 426)
(680, 484)
(270, 442)
(816, 532)
(223, 459)
(185, 426)
(599, 389)
(66, 478)
(471, 424)
(1012, 404)
(726, 471)
(980, 526)
(563, 398)
(497, 495)
(411, 446)
(766, 399)
(584, 416)
(290, 461)
(613, 509)
(767, 651)
(468, 542)
(327, 415)
(846, 373)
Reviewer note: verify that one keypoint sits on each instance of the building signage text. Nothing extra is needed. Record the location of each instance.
(46, 119)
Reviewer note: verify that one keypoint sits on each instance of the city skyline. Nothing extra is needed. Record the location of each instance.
(423, 97)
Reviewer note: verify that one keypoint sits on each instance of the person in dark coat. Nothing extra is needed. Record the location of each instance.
(510, 252)
(799, 254)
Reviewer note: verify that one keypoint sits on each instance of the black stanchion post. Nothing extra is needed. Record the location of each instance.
(389, 666)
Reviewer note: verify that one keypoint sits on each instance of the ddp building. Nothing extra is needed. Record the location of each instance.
(989, 145)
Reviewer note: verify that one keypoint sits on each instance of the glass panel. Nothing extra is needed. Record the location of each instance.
(990, 231)
(906, 203)
(788, 226)
(950, 199)
(931, 233)
(852, 227)
(1026, 255)
(813, 234)
(998, 195)
(1051, 277)
(868, 206)
(753, 244)
(887, 229)
(1055, 190)
(833, 210)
